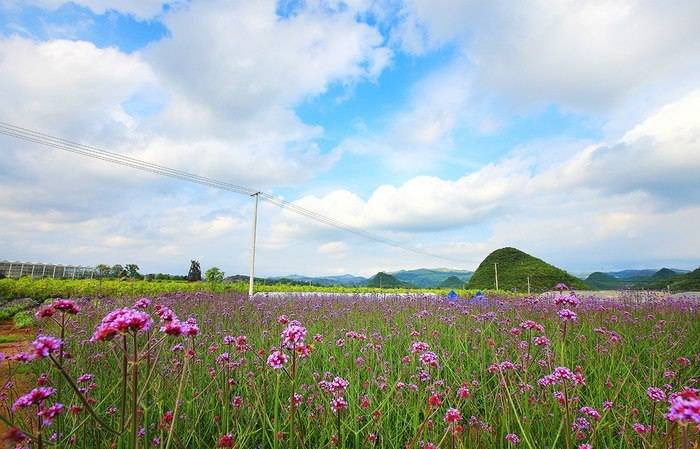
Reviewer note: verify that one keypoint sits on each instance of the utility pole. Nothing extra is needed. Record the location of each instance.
(495, 269)
(528, 285)
(252, 246)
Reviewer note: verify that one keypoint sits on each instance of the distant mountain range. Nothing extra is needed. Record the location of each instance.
(422, 278)
(514, 268)
(343, 279)
(427, 278)
(640, 279)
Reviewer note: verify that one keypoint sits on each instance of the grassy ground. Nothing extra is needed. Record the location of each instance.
(484, 361)
(40, 289)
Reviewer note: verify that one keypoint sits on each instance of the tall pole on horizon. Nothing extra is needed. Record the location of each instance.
(495, 269)
(528, 285)
(252, 246)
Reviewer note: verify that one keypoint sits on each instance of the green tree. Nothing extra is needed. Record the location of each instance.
(117, 271)
(132, 270)
(195, 273)
(102, 270)
(214, 275)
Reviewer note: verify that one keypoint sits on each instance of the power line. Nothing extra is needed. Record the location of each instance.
(51, 141)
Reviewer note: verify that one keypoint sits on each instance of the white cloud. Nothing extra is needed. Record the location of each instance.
(71, 87)
(615, 195)
(336, 248)
(582, 55)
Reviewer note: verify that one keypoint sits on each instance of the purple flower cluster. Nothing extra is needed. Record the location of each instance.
(561, 374)
(35, 397)
(685, 407)
(122, 321)
(44, 345)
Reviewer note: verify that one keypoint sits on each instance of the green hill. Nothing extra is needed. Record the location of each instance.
(430, 278)
(604, 281)
(676, 282)
(514, 267)
(689, 282)
(384, 280)
(452, 282)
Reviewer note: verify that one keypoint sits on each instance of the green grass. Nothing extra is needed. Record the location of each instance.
(10, 338)
(23, 319)
(42, 289)
(653, 335)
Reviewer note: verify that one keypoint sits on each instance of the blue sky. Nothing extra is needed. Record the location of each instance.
(453, 127)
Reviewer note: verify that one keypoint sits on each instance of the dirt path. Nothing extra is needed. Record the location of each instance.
(13, 341)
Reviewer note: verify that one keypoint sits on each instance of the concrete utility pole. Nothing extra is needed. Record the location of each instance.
(495, 269)
(252, 245)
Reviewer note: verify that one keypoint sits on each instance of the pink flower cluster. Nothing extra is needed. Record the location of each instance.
(338, 403)
(419, 346)
(179, 328)
(34, 397)
(570, 299)
(452, 416)
(59, 305)
(122, 321)
(567, 315)
(293, 335)
(241, 342)
(49, 413)
(656, 394)
(142, 303)
(429, 359)
(685, 407)
(277, 359)
(561, 374)
(43, 345)
(529, 325)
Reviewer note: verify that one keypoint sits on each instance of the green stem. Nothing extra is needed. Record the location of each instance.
(277, 412)
(125, 363)
(134, 397)
(85, 402)
(177, 400)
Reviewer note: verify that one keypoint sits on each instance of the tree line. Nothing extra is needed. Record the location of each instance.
(131, 271)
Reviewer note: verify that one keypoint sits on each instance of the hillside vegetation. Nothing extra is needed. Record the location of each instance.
(514, 267)
(659, 280)
(430, 278)
(385, 280)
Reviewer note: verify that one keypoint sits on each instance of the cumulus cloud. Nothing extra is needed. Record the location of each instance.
(618, 194)
(582, 55)
(215, 97)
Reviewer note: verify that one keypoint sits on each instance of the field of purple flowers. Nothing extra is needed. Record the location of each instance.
(208, 371)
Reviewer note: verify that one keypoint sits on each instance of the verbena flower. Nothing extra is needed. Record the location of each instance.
(513, 438)
(685, 407)
(338, 403)
(44, 345)
(142, 303)
(419, 346)
(429, 359)
(34, 397)
(656, 394)
(49, 413)
(277, 359)
(66, 306)
(292, 335)
(122, 321)
(452, 415)
(567, 315)
(225, 441)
